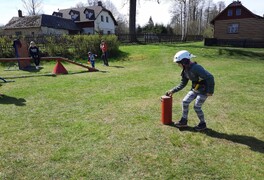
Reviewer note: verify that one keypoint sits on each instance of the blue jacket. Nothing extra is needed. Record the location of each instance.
(198, 75)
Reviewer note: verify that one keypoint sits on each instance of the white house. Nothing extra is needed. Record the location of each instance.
(92, 19)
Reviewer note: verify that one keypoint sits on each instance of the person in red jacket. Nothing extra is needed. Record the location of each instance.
(103, 47)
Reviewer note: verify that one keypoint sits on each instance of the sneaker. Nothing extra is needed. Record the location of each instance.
(200, 126)
(181, 123)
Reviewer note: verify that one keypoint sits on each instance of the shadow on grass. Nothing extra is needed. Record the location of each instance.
(119, 56)
(252, 142)
(30, 69)
(224, 51)
(48, 75)
(4, 99)
(117, 67)
(29, 76)
(241, 52)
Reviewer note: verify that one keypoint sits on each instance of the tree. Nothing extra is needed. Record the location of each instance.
(132, 19)
(150, 22)
(80, 4)
(221, 6)
(33, 7)
(92, 2)
(121, 21)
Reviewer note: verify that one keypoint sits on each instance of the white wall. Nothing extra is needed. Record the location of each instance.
(105, 26)
(46, 30)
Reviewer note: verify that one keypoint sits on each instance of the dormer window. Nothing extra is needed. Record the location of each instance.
(238, 12)
(230, 12)
(75, 15)
(89, 14)
(58, 14)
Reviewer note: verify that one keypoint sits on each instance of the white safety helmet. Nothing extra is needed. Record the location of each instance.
(183, 54)
(32, 43)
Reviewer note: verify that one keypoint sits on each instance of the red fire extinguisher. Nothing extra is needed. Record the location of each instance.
(166, 110)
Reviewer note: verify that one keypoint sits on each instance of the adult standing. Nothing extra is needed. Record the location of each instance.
(103, 47)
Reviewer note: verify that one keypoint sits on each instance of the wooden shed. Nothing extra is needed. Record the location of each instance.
(236, 22)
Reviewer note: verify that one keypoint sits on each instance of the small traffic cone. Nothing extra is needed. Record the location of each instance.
(59, 69)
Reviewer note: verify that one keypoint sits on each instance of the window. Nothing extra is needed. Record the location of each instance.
(75, 15)
(230, 12)
(89, 14)
(18, 33)
(106, 19)
(102, 18)
(233, 28)
(238, 12)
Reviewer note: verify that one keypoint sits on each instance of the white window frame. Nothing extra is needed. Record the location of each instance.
(233, 28)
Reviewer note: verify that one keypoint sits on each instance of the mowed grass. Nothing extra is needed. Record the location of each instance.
(106, 124)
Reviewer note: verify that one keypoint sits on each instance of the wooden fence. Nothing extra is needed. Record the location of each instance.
(245, 43)
(146, 38)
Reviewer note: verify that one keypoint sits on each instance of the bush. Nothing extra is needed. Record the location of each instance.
(6, 47)
(69, 46)
(84, 43)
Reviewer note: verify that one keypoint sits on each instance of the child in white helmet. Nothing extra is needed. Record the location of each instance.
(202, 87)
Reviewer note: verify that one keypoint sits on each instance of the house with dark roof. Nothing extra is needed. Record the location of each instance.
(85, 20)
(238, 23)
(92, 19)
(39, 25)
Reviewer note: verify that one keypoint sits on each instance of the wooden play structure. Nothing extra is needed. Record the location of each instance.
(23, 60)
(58, 69)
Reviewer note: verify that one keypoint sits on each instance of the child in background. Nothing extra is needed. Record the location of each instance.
(91, 58)
(34, 53)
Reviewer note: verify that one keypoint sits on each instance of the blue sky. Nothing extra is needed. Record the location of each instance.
(146, 8)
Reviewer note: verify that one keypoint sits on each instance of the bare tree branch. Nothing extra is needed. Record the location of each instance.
(33, 7)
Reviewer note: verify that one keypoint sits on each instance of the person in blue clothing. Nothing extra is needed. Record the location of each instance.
(202, 87)
(91, 58)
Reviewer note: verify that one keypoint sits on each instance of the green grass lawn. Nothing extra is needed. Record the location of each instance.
(106, 124)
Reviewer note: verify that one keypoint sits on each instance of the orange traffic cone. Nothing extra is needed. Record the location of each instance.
(59, 69)
(166, 110)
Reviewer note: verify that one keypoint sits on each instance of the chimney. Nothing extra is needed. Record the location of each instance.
(100, 3)
(20, 13)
